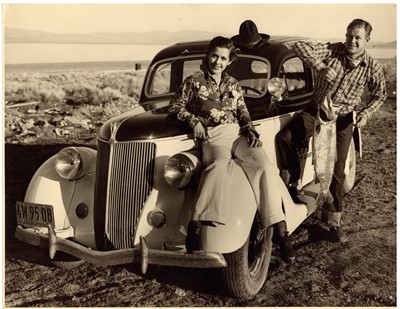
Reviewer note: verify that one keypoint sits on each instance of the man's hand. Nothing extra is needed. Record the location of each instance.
(360, 121)
(199, 131)
(253, 140)
(328, 74)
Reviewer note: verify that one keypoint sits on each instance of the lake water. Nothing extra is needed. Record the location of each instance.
(22, 53)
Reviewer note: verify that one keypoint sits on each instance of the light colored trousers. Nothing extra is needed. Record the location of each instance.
(224, 143)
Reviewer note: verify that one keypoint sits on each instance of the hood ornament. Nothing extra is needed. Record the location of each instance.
(114, 129)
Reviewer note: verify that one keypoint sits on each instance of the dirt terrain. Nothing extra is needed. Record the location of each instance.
(360, 272)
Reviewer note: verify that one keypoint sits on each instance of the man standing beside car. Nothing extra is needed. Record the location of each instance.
(343, 70)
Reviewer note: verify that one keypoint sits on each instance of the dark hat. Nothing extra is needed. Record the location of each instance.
(248, 36)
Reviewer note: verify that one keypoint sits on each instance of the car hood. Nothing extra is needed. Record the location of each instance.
(152, 124)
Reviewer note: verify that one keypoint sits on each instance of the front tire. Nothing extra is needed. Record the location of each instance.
(248, 266)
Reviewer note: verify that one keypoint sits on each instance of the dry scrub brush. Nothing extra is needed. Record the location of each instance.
(94, 88)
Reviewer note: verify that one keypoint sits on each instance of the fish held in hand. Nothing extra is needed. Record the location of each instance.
(324, 144)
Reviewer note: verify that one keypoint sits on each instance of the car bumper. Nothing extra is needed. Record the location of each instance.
(142, 255)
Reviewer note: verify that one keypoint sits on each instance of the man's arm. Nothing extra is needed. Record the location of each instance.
(313, 53)
(378, 95)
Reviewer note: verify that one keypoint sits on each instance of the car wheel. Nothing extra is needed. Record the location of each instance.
(350, 169)
(247, 268)
(65, 261)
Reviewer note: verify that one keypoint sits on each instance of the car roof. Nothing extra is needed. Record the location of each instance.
(276, 47)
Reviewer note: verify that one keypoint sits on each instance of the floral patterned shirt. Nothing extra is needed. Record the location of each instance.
(199, 99)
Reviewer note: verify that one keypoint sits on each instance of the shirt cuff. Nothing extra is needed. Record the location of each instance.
(365, 114)
(254, 131)
(319, 65)
(194, 121)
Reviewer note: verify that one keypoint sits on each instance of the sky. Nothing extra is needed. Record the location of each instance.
(317, 20)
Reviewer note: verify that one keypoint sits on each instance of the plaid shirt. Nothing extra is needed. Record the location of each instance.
(199, 99)
(350, 83)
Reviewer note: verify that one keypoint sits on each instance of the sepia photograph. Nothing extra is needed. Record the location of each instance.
(199, 154)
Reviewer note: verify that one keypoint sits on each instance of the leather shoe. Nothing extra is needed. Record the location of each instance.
(193, 237)
(337, 234)
(285, 247)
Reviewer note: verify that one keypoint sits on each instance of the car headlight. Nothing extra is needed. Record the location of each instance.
(69, 163)
(276, 87)
(180, 169)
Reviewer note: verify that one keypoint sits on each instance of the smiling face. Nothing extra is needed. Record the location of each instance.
(356, 41)
(218, 60)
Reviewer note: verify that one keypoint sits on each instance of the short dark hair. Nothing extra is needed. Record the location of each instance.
(360, 23)
(220, 41)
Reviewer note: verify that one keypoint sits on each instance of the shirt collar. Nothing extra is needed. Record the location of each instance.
(359, 60)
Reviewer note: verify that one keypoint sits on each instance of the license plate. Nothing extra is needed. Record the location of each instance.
(37, 215)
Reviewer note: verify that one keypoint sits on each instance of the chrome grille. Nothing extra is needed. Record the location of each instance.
(130, 183)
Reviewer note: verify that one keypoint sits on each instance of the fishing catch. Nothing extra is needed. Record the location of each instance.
(324, 144)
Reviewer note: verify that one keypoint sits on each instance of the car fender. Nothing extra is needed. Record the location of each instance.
(47, 187)
(167, 200)
(178, 206)
(241, 208)
(240, 211)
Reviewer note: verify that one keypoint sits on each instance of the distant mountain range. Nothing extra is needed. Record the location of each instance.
(386, 45)
(14, 35)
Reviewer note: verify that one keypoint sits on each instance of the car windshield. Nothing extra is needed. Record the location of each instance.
(166, 76)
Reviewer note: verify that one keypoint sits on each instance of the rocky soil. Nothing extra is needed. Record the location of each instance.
(360, 272)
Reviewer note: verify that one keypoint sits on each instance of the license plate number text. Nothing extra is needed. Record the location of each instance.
(37, 215)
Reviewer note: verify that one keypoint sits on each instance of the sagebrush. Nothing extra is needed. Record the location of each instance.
(93, 88)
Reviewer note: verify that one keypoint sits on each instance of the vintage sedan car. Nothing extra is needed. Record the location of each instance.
(130, 200)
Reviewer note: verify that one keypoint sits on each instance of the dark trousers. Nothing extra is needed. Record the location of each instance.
(295, 135)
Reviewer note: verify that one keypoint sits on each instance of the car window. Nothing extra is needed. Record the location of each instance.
(190, 67)
(166, 77)
(253, 76)
(160, 81)
(294, 76)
